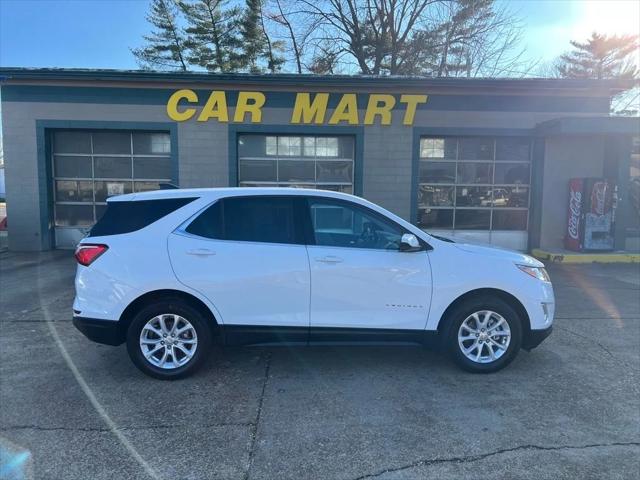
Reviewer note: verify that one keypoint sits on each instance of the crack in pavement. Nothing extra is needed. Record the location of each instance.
(11, 428)
(590, 339)
(256, 424)
(586, 338)
(482, 456)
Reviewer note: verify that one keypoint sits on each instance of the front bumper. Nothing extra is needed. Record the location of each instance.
(535, 337)
(108, 332)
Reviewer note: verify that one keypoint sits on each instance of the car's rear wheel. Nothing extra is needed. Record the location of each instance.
(484, 335)
(168, 339)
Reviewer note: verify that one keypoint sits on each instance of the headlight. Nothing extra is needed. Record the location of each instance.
(536, 272)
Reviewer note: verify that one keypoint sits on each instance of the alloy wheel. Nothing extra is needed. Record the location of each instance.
(484, 336)
(168, 341)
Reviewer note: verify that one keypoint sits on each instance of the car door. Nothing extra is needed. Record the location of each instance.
(359, 277)
(247, 256)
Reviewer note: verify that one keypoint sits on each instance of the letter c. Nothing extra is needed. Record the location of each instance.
(172, 105)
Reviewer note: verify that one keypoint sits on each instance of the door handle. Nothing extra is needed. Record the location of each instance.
(329, 259)
(201, 252)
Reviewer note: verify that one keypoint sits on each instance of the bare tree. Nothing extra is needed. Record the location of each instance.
(432, 37)
(474, 38)
(274, 60)
(296, 39)
(371, 31)
(325, 60)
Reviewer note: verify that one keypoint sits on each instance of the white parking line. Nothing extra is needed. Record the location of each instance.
(96, 404)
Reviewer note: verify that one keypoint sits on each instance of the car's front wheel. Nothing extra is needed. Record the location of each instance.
(485, 335)
(168, 339)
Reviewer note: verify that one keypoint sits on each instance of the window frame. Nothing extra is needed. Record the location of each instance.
(495, 138)
(303, 224)
(298, 220)
(163, 208)
(276, 157)
(310, 232)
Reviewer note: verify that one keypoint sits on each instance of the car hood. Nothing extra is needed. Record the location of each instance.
(497, 252)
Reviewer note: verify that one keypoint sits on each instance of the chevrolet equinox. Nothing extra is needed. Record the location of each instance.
(174, 272)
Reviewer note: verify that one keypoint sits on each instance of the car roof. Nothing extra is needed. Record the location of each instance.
(214, 193)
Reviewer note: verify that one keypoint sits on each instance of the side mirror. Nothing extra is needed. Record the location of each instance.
(410, 243)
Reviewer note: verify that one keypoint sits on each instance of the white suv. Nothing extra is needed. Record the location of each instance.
(172, 272)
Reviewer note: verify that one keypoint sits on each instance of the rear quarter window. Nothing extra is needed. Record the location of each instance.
(126, 217)
(209, 223)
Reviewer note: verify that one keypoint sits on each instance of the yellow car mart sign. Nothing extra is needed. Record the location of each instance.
(306, 109)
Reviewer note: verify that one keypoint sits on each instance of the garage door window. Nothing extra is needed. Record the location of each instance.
(324, 162)
(90, 166)
(474, 183)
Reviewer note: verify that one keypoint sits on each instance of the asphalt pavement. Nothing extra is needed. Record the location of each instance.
(72, 409)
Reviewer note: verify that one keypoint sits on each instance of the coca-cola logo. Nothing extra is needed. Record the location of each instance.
(598, 197)
(575, 204)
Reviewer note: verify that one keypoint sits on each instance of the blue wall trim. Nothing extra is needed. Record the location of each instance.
(277, 99)
(617, 167)
(44, 167)
(44, 187)
(356, 132)
(419, 132)
(537, 177)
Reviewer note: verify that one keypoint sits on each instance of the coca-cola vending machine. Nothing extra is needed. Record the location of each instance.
(591, 214)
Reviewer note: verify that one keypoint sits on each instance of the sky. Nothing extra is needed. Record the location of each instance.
(99, 33)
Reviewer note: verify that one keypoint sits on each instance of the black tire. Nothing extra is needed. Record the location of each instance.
(462, 312)
(169, 306)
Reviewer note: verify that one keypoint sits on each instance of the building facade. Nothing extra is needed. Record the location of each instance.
(485, 159)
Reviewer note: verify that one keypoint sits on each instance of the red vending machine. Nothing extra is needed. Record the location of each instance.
(591, 214)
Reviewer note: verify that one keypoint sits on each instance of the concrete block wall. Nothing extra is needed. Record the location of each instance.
(21, 176)
(205, 146)
(387, 165)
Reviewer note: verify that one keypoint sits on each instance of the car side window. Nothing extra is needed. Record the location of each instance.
(250, 219)
(260, 219)
(209, 223)
(338, 224)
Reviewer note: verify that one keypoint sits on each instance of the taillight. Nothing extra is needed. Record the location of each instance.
(86, 253)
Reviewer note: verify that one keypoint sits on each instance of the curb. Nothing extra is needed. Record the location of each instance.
(556, 257)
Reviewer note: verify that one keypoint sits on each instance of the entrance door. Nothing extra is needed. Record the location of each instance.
(359, 277)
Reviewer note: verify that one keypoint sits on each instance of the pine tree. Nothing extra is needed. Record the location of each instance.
(165, 46)
(601, 56)
(253, 41)
(212, 34)
(257, 47)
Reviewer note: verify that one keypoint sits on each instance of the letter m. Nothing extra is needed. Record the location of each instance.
(306, 111)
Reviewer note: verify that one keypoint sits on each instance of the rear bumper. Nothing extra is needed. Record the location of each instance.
(108, 332)
(535, 338)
